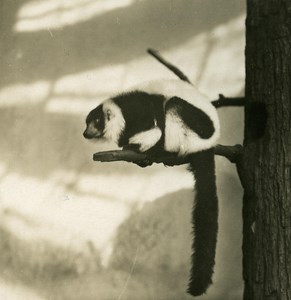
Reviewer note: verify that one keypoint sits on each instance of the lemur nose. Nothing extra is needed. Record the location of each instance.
(85, 134)
(88, 135)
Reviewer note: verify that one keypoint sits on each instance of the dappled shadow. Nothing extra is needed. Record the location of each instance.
(39, 263)
(115, 37)
(46, 145)
(151, 254)
(154, 246)
(36, 141)
(157, 240)
(9, 213)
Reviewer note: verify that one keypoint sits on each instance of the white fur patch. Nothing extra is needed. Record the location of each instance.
(146, 139)
(115, 125)
(178, 137)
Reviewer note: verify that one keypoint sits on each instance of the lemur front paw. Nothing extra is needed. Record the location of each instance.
(144, 163)
(136, 148)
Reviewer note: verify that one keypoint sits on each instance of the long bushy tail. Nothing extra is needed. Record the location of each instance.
(205, 222)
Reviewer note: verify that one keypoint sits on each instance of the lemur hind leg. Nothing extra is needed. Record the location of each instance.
(155, 153)
(135, 147)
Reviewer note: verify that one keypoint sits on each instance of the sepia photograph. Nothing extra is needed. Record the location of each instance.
(145, 150)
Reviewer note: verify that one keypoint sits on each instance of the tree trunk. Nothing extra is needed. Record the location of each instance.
(267, 155)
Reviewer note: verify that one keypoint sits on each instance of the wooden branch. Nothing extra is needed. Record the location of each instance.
(141, 159)
(174, 69)
(232, 153)
(222, 101)
(225, 101)
(119, 155)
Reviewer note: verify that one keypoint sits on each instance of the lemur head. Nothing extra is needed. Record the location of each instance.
(95, 123)
(105, 121)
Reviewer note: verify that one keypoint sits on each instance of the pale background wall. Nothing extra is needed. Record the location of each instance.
(75, 229)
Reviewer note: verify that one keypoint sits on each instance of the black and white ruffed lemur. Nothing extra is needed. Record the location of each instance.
(171, 116)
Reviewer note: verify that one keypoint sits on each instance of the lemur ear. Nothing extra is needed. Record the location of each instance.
(108, 114)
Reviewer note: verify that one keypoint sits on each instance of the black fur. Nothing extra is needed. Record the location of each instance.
(140, 110)
(205, 222)
(96, 113)
(193, 117)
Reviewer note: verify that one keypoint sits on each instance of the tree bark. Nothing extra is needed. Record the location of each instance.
(267, 151)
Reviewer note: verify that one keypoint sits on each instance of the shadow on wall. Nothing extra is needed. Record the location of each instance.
(114, 37)
(146, 250)
(154, 245)
(39, 261)
(36, 141)
(144, 261)
(151, 257)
